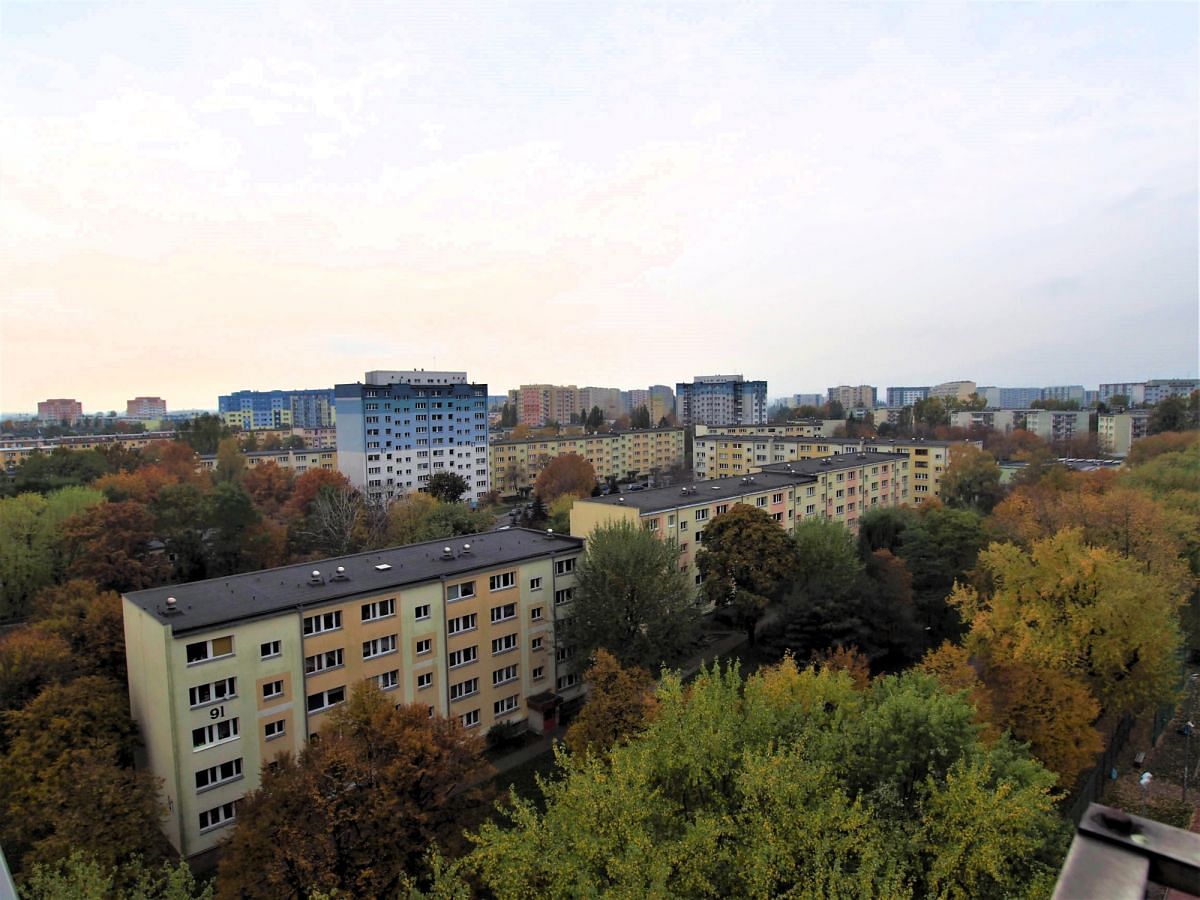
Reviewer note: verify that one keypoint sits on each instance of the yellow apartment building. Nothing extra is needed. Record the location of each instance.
(299, 461)
(14, 451)
(515, 465)
(797, 428)
(840, 488)
(227, 674)
(1116, 432)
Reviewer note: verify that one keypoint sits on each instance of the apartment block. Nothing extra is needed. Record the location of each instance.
(516, 464)
(1010, 397)
(145, 408)
(1057, 425)
(900, 397)
(538, 404)
(1159, 389)
(953, 390)
(722, 455)
(60, 410)
(840, 488)
(401, 427)
(807, 400)
(15, 451)
(299, 461)
(1116, 432)
(227, 674)
(254, 410)
(1133, 391)
(853, 396)
(721, 400)
(1004, 420)
(793, 428)
(607, 399)
(1064, 393)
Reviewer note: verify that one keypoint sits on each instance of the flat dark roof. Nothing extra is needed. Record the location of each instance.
(583, 437)
(664, 498)
(834, 462)
(218, 601)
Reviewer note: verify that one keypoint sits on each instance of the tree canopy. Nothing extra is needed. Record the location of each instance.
(448, 487)
(568, 473)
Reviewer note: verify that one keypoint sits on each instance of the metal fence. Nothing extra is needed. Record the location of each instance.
(1093, 786)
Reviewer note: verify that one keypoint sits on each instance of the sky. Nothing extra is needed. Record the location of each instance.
(205, 197)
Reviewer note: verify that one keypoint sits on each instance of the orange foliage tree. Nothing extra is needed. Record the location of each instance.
(569, 473)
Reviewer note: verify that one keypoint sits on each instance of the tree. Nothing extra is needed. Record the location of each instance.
(181, 519)
(308, 485)
(788, 784)
(30, 659)
(1168, 442)
(1170, 414)
(972, 480)
(620, 702)
(332, 519)
(81, 877)
(640, 418)
(508, 415)
(269, 485)
(110, 544)
(595, 419)
(45, 472)
(939, 547)
(231, 463)
(1082, 611)
(90, 621)
(68, 779)
(204, 433)
(568, 473)
(359, 808)
(560, 514)
(448, 487)
(294, 442)
(747, 562)
(630, 599)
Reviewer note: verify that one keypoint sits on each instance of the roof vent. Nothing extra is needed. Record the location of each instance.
(172, 607)
(447, 553)
(315, 577)
(620, 499)
(382, 567)
(466, 548)
(340, 574)
(826, 461)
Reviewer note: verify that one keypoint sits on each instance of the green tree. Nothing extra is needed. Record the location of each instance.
(231, 462)
(447, 487)
(359, 809)
(231, 518)
(786, 784)
(1170, 414)
(630, 599)
(595, 419)
(45, 472)
(640, 418)
(972, 480)
(939, 547)
(204, 433)
(747, 562)
(81, 877)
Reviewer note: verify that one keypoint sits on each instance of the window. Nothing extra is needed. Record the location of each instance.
(504, 613)
(507, 705)
(380, 609)
(504, 644)
(652, 525)
(760, 501)
(535, 614)
(379, 646)
(218, 774)
(464, 656)
(501, 676)
(330, 659)
(218, 816)
(461, 591)
(563, 595)
(700, 537)
(701, 515)
(470, 719)
(424, 646)
(535, 584)
(810, 509)
(808, 492)
(422, 611)
(464, 689)
(216, 733)
(536, 643)
(682, 525)
(214, 692)
(500, 582)
(329, 621)
(566, 681)
(388, 680)
(722, 509)
(326, 699)
(270, 649)
(461, 623)
(777, 498)
(215, 648)
(424, 680)
(275, 729)
(562, 654)
(538, 673)
(272, 689)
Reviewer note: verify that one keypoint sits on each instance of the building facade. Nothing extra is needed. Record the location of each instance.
(254, 410)
(1117, 432)
(60, 410)
(298, 461)
(799, 400)
(538, 404)
(953, 390)
(1159, 389)
(900, 397)
(145, 408)
(853, 396)
(397, 428)
(840, 488)
(1010, 397)
(721, 400)
(1057, 425)
(225, 675)
(1133, 391)
(515, 464)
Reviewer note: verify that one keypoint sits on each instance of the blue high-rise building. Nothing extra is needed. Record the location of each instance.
(254, 410)
(396, 429)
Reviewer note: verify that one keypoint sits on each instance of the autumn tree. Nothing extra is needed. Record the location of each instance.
(446, 487)
(568, 473)
(790, 778)
(630, 599)
(1155, 445)
(620, 702)
(90, 621)
(30, 659)
(357, 811)
(331, 522)
(69, 783)
(269, 485)
(747, 562)
(110, 544)
(308, 485)
(972, 480)
(1082, 611)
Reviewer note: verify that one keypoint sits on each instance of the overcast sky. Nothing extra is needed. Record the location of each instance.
(198, 198)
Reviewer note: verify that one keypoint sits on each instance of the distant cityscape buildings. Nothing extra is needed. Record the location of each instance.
(721, 400)
(145, 408)
(60, 410)
(799, 400)
(899, 397)
(851, 397)
(396, 429)
(253, 410)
